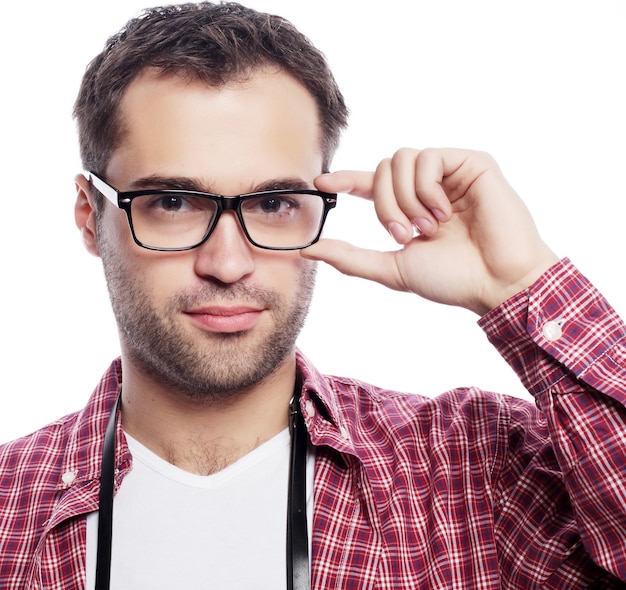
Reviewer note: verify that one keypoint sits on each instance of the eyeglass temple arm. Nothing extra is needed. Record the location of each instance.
(103, 188)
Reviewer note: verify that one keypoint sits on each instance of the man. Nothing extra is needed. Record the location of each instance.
(214, 486)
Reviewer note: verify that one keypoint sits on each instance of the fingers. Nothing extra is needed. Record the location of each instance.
(352, 182)
(407, 189)
(409, 192)
(357, 262)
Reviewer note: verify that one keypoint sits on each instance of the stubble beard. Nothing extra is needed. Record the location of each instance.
(223, 365)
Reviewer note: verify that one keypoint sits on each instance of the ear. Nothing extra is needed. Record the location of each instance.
(85, 215)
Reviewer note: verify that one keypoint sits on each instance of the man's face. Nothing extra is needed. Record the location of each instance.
(212, 321)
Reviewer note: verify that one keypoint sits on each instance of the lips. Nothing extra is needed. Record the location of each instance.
(226, 319)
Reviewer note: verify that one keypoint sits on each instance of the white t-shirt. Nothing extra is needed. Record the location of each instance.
(177, 530)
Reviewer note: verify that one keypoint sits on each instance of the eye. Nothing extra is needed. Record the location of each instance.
(170, 203)
(271, 205)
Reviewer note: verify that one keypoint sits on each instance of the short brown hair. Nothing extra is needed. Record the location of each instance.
(215, 43)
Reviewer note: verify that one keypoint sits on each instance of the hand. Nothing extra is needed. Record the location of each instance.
(476, 245)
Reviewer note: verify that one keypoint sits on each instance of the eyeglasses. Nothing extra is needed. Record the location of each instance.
(175, 220)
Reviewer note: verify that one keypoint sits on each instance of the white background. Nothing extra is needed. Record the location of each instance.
(539, 84)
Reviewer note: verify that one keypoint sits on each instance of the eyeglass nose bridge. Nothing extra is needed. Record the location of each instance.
(224, 204)
(228, 203)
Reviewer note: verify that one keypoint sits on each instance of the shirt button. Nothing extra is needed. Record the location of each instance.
(552, 331)
(68, 477)
(344, 433)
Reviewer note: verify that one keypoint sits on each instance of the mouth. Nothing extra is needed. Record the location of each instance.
(226, 319)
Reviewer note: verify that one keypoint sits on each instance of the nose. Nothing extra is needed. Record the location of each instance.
(227, 256)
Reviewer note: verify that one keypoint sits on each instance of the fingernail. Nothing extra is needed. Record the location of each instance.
(397, 231)
(439, 214)
(423, 225)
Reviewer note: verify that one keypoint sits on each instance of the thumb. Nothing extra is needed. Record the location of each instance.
(356, 262)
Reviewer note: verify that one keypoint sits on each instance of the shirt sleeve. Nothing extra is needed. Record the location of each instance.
(568, 346)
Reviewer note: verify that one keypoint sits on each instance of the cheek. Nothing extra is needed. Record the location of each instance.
(113, 232)
(163, 275)
(297, 278)
(284, 272)
(308, 274)
(147, 274)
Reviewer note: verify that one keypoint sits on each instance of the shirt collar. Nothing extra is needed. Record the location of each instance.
(83, 455)
(322, 408)
(320, 403)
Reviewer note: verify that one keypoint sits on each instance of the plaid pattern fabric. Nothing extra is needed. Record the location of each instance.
(463, 491)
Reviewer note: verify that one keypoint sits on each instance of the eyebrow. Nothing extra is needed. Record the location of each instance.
(190, 184)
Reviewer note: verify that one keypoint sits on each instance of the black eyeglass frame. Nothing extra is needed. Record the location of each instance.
(123, 200)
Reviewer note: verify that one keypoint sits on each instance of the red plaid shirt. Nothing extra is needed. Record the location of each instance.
(470, 490)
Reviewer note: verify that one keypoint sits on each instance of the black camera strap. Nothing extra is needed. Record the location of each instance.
(297, 534)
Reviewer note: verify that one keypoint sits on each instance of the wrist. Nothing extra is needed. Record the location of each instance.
(503, 290)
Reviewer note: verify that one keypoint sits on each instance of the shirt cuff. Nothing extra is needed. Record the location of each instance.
(561, 325)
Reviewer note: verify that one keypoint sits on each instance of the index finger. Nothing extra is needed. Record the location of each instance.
(353, 182)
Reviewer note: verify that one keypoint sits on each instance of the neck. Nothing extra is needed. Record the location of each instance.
(202, 437)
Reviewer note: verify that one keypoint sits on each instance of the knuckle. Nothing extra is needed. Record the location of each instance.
(403, 157)
(383, 166)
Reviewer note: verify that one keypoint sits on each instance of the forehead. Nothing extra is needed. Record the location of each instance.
(243, 132)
